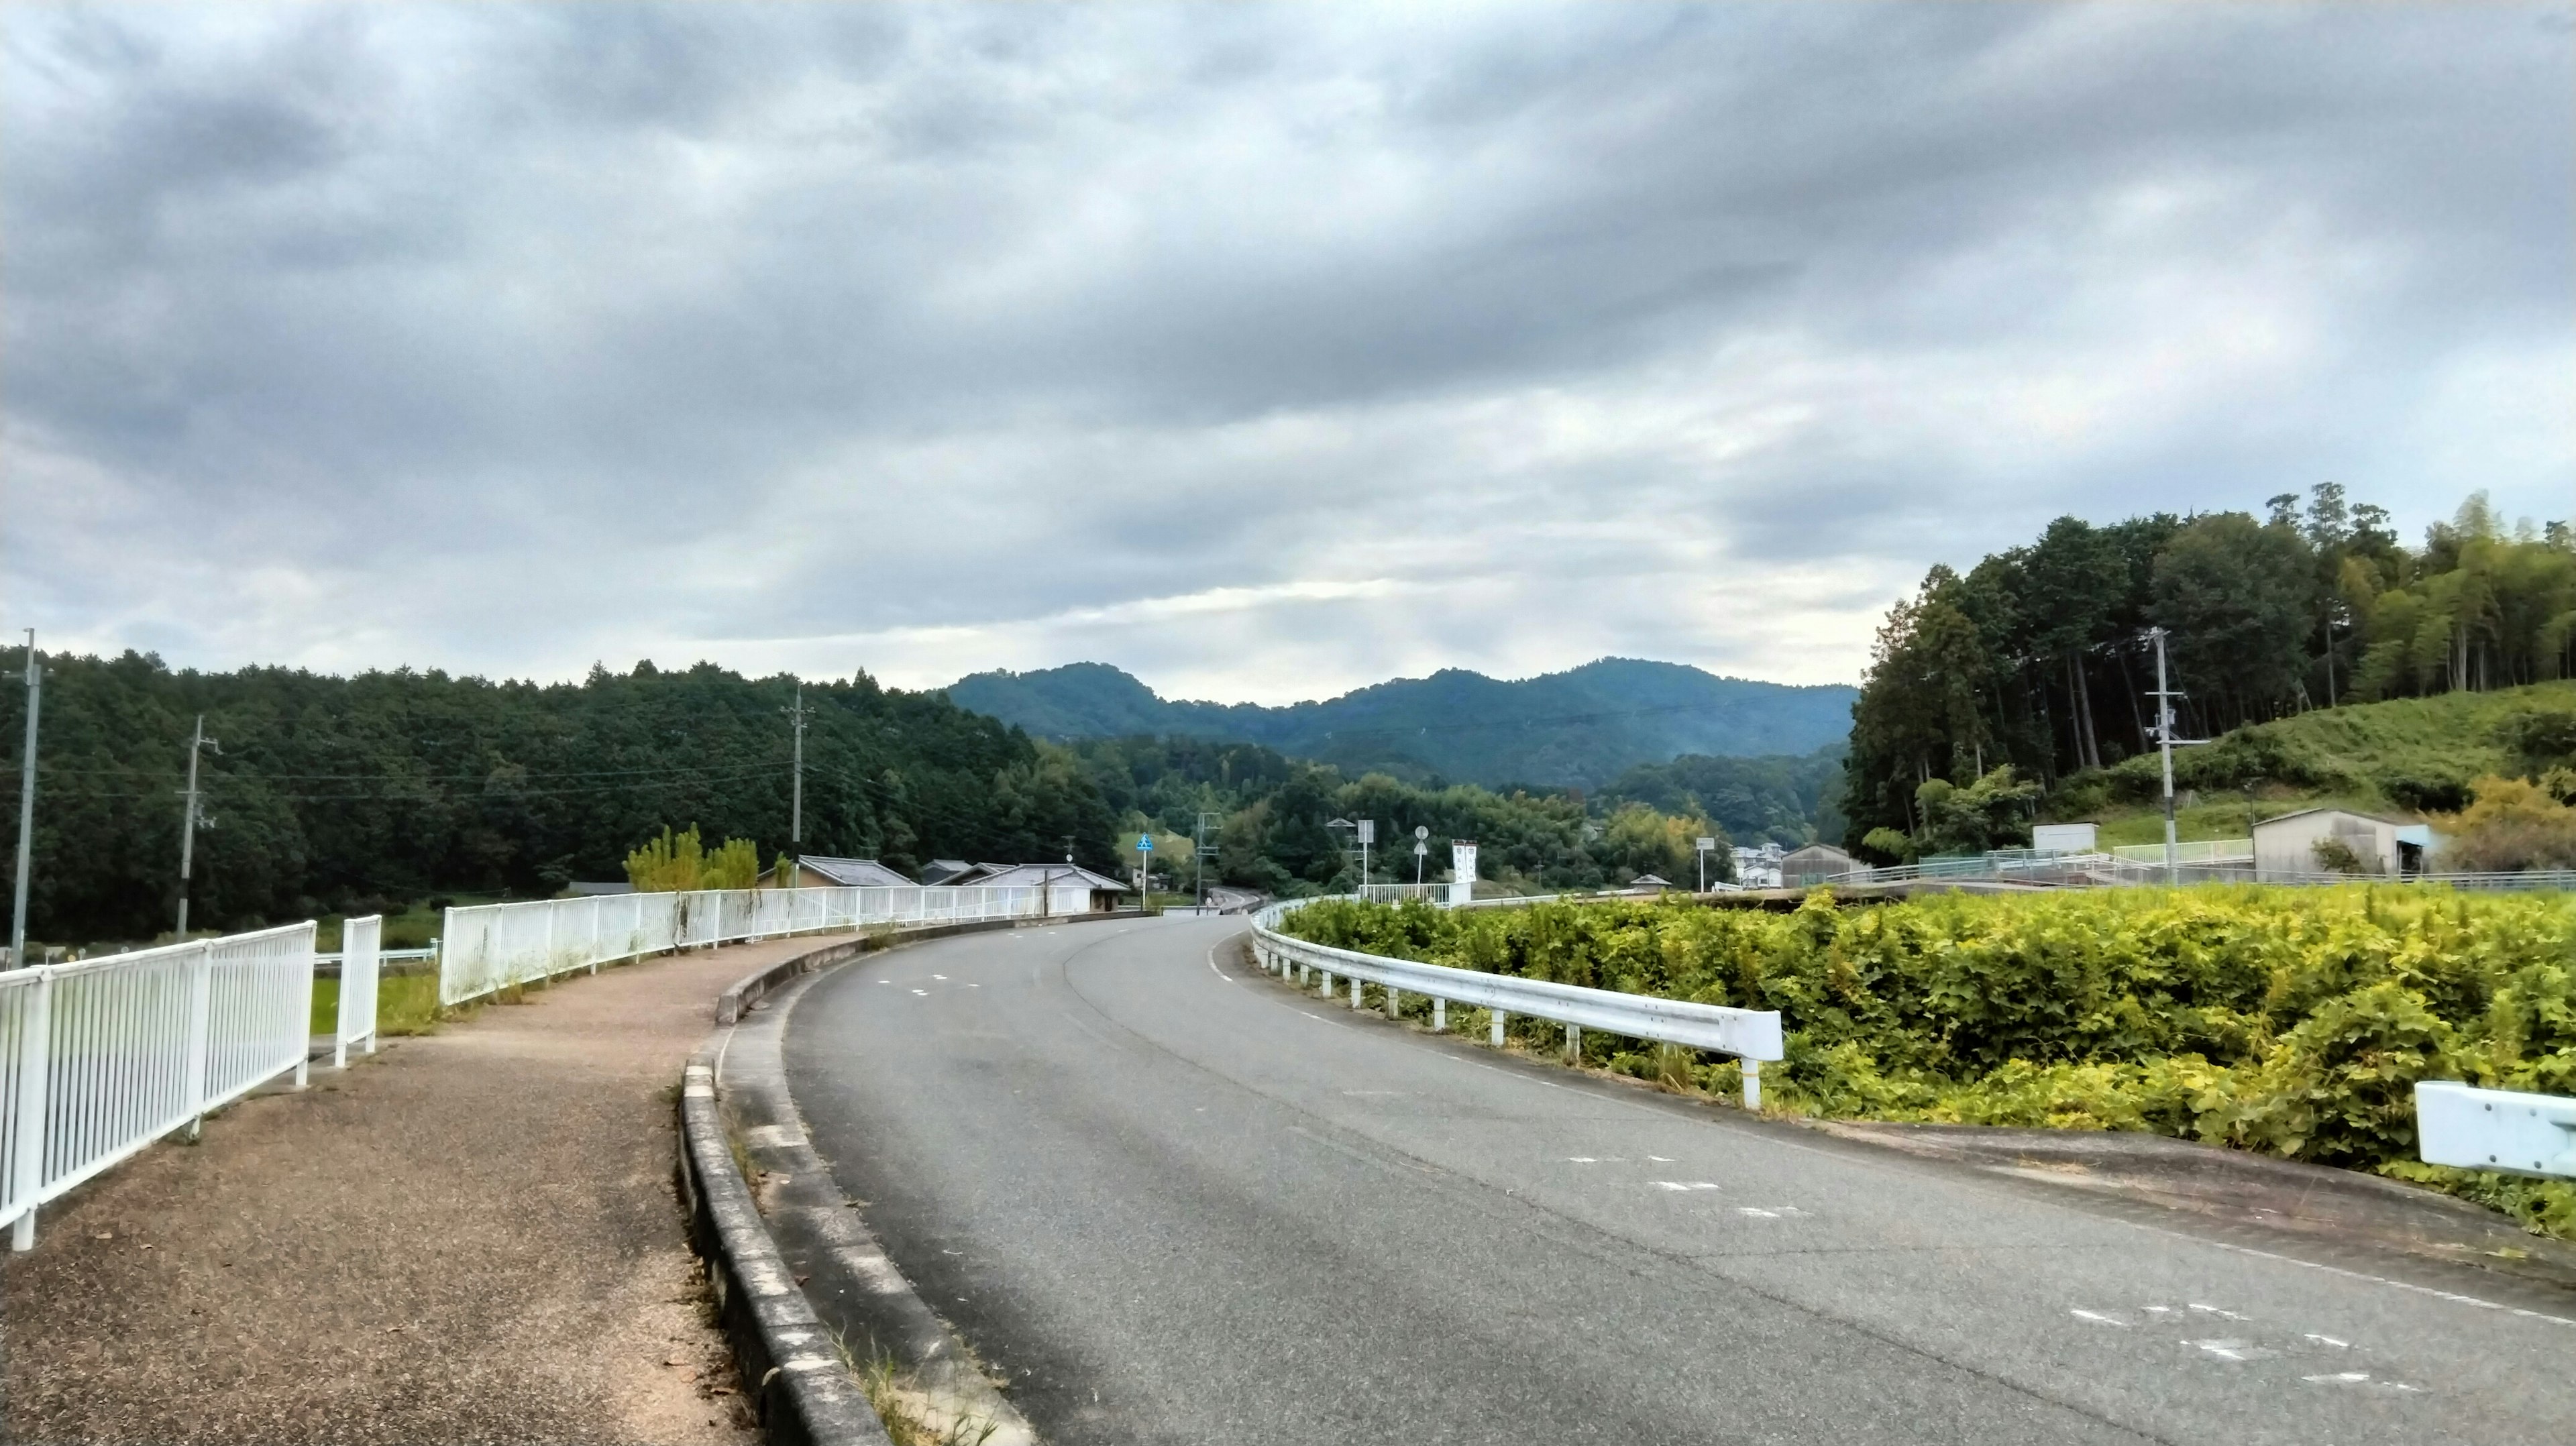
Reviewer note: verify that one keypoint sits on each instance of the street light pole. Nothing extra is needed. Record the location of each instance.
(26, 813)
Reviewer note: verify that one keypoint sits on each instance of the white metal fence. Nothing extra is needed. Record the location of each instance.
(104, 1056)
(359, 939)
(1751, 1035)
(2099, 870)
(487, 947)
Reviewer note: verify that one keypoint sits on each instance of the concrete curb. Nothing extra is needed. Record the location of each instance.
(793, 1370)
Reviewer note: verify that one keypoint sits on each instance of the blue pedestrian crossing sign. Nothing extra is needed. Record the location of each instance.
(1145, 843)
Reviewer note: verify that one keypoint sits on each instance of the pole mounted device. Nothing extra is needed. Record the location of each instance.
(191, 819)
(26, 812)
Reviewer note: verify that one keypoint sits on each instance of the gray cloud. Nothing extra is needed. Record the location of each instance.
(1262, 350)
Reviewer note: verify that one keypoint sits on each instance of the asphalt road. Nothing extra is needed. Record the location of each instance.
(1176, 1202)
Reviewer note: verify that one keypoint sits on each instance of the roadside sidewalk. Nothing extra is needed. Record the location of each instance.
(472, 1236)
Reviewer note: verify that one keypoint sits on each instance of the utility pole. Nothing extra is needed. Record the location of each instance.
(2164, 744)
(796, 809)
(1204, 850)
(188, 820)
(26, 813)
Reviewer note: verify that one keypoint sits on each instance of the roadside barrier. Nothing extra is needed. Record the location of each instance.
(486, 947)
(1751, 1035)
(101, 1057)
(360, 939)
(2508, 1130)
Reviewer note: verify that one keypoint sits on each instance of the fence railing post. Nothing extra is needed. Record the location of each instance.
(304, 1014)
(1499, 1017)
(1753, 1084)
(201, 984)
(35, 1063)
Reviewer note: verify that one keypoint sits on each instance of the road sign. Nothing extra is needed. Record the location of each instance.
(1368, 830)
(1420, 848)
(1707, 844)
(1421, 831)
(1144, 843)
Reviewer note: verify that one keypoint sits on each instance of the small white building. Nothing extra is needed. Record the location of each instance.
(2313, 840)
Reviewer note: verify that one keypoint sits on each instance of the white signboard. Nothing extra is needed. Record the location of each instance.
(1462, 872)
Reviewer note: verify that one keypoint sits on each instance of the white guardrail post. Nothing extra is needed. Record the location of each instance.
(2474, 1129)
(27, 1119)
(361, 955)
(1751, 1035)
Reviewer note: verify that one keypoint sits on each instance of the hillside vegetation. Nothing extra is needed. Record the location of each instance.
(2409, 757)
(1578, 728)
(353, 794)
(2034, 668)
(2289, 1021)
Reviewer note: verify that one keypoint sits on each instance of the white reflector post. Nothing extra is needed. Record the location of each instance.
(2477, 1129)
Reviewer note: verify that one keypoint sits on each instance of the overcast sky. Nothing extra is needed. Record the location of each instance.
(1262, 352)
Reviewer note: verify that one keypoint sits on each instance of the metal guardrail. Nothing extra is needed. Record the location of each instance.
(1751, 1035)
(101, 1057)
(2475, 1129)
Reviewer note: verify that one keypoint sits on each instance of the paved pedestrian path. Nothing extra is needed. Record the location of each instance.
(472, 1236)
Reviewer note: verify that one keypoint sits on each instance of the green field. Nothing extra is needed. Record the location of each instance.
(405, 1004)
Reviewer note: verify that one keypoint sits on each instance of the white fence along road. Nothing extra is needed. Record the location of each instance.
(487, 947)
(104, 1056)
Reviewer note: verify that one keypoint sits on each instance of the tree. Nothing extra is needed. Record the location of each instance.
(2239, 598)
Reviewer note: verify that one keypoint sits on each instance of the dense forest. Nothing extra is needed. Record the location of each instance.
(2037, 660)
(329, 794)
(335, 793)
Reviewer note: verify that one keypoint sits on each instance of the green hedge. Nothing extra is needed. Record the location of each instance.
(2290, 1021)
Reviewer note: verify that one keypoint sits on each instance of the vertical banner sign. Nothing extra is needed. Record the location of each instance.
(1462, 871)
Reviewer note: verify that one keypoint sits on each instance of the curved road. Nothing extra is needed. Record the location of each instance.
(1176, 1202)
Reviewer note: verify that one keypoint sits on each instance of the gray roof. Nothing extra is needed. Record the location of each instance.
(1032, 875)
(859, 873)
(2346, 812)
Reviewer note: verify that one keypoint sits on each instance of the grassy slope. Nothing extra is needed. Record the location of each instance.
(2338, 756)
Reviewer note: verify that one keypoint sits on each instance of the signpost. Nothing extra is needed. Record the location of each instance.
(1462, 871)
(1421, 848)
(1144, 880)
(1707, 846)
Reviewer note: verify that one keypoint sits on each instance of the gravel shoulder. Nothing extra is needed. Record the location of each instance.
(473, 1235)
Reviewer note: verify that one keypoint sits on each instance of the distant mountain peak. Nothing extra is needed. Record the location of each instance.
(1582, 726)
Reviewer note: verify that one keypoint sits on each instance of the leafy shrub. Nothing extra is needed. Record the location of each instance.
(2290, 1021)
(2514, 824)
